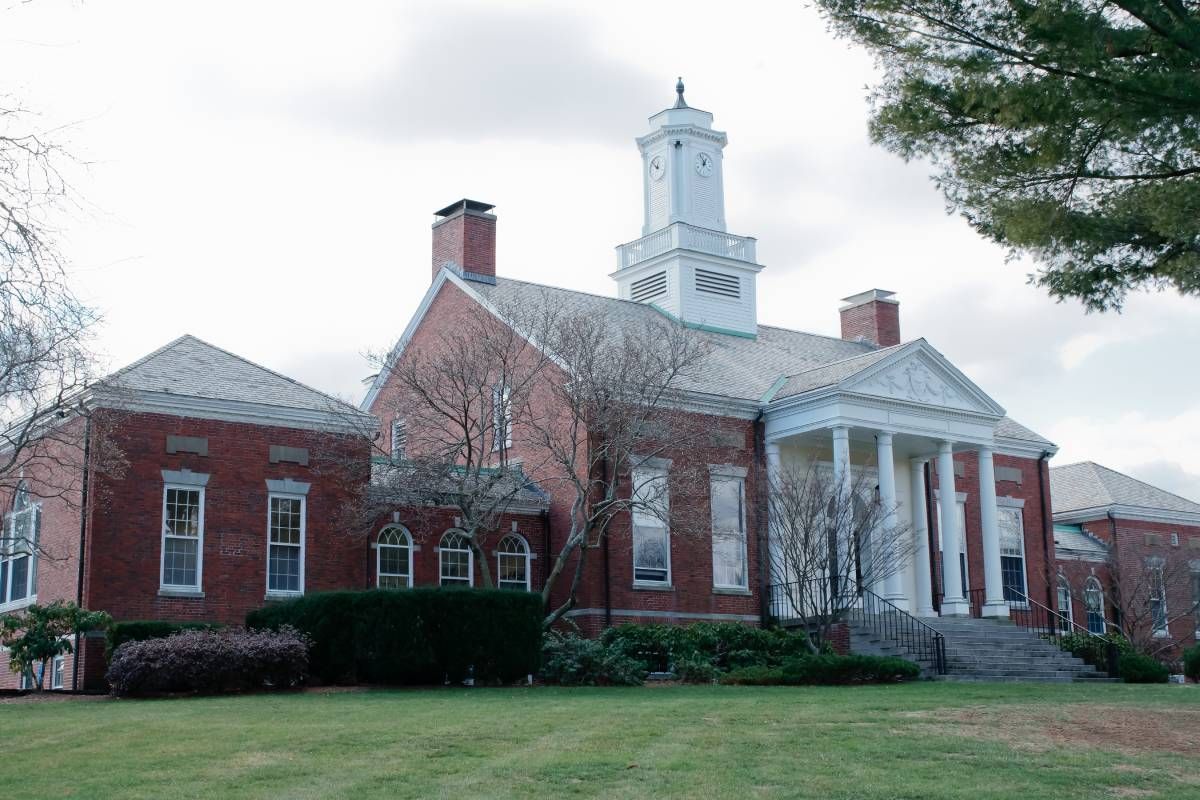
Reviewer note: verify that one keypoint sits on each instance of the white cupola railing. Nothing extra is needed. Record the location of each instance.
(681, 235)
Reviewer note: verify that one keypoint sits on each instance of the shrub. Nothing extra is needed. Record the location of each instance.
(696, 669)
(723, 645)
(1191, 662)
(415, 635)
(34, 635)
(139, 630)
(209, 661)
(828, 670)
(1139, 668)
(570, 660)
(1092, 649)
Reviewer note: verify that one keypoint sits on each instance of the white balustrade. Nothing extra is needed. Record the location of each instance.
(689, 237)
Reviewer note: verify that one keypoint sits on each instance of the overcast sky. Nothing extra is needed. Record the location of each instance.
(263, 175)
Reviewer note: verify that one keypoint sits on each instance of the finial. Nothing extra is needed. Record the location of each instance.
(679, 101)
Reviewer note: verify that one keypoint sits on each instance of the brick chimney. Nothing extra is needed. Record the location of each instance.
(464, 239)
(871, 316)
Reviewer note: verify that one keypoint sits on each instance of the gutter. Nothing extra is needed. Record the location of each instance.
(761, 518)
(83, 519)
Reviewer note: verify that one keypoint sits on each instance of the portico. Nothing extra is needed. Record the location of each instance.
(881, 427)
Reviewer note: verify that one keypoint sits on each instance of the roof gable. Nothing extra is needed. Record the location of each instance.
(917, 373)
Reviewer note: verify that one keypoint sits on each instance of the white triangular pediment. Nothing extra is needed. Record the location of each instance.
(919, 374)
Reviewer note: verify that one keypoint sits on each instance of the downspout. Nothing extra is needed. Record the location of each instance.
(545, 514)
(607, 570)
(1112, 550)
(83, 517)
(934, 572)
(1047, 522)
(761, 518)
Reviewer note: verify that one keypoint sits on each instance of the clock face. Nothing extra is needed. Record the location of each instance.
(704, 165)
(657, 167)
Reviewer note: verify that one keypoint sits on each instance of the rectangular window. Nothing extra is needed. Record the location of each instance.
(728, 532)
(285, 546)
(1012, 553)
(18, 552)
(399, 439)
(501, 417)
(182, 536)
(1196, 601)
(58, 672)
(651, 537)
(1158, 600)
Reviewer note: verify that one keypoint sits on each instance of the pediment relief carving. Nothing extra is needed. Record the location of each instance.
(914, 380)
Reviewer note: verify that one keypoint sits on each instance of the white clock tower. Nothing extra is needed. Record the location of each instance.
(685, 263)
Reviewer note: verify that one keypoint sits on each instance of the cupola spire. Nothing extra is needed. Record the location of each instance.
(679, 101)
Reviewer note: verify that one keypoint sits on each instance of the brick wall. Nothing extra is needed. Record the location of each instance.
(467, 239)
(877, 321)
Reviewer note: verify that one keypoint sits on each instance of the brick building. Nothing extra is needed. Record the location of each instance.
(1126, 549)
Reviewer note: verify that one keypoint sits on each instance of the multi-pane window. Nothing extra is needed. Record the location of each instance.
(399, 439)
(455, 560)
(1064, 605)
(58, 672)
(1012, 553)
(512, 563)
(651, 536)
(1196, 599)
(1093, 598)
(501, 417)
(18, 548)
(394, 558)
(285, 546)
(1158, 598)
(728, 531)
(182, 536)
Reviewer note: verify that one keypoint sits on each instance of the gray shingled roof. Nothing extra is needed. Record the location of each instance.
(737, 367)
(1087, 485)
(1077, 542)
(194, 368)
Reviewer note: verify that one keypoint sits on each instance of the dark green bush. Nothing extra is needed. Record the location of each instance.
(140, 630)
(1139, 668)
(827, 670)
(1191, 662)
(569, 660)
(1092, 649)
(696, 669)
(414, 636)
(723, 645)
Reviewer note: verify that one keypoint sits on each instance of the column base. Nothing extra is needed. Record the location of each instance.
(900, 601)
(997, 609)
(956, 608)
(928, 612)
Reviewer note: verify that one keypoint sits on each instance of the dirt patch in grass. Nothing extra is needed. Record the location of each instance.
(1120, 728)
(49, 697)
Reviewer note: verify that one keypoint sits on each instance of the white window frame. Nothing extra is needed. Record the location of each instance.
(1066, 623)
(379, 546)
(527, 555)
(718, 475)
(1020, 512)
(1091, 581)
(9, 547)
(162, 555)
(399, 431)
(303, 542)
(470, 558)
(1161, 596)
(58, 670)
(501, 417)
(640, 477)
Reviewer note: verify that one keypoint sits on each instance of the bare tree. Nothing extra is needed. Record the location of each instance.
(1148, 595)
(831, 539)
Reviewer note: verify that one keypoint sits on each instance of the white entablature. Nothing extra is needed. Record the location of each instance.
(685, 263)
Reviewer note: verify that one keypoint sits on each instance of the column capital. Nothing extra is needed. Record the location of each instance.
(772, 446)
(945, 446)
(986, 449)
(919, 461)
(840, 431)
(883, 437)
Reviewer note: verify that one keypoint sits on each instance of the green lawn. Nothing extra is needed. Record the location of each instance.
(925, 740)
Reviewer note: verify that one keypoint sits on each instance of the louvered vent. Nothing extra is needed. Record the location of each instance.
(718, 283)
(649, 287)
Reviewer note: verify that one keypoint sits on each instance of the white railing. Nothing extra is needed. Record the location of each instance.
(688, 237)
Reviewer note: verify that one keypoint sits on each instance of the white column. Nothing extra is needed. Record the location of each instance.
(886, 555)
(953, 602)
(994, 605)
(779, 572)
(920, 532)
(843, 487)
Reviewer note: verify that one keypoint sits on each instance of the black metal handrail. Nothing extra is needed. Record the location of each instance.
(1050, 624)
(887, 620)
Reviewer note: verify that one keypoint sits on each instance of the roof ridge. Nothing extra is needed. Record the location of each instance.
(849, 358)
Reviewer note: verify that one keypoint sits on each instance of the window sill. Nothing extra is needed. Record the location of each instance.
(163, 591)
(652, 587)
(1018, 606)
(732, 590)
(17, 605)
(282, 595)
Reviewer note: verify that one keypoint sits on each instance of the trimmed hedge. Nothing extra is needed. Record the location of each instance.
(827, 670)
(704, 649)
(140, 630)
(1138, 668)
(209, 661)
(414, 636)
(1191, 662)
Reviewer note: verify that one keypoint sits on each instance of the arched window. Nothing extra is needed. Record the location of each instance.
(512, 563)
(393, 558)
(1093, 598)
(18, 548)
(1064, 605)
(455, 560)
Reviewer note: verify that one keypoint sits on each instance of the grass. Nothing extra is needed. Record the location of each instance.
(928, 740)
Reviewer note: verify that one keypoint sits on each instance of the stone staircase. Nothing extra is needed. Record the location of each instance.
(982, 650)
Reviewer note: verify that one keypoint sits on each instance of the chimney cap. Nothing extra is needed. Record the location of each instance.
(868, 296)
(464, 205)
